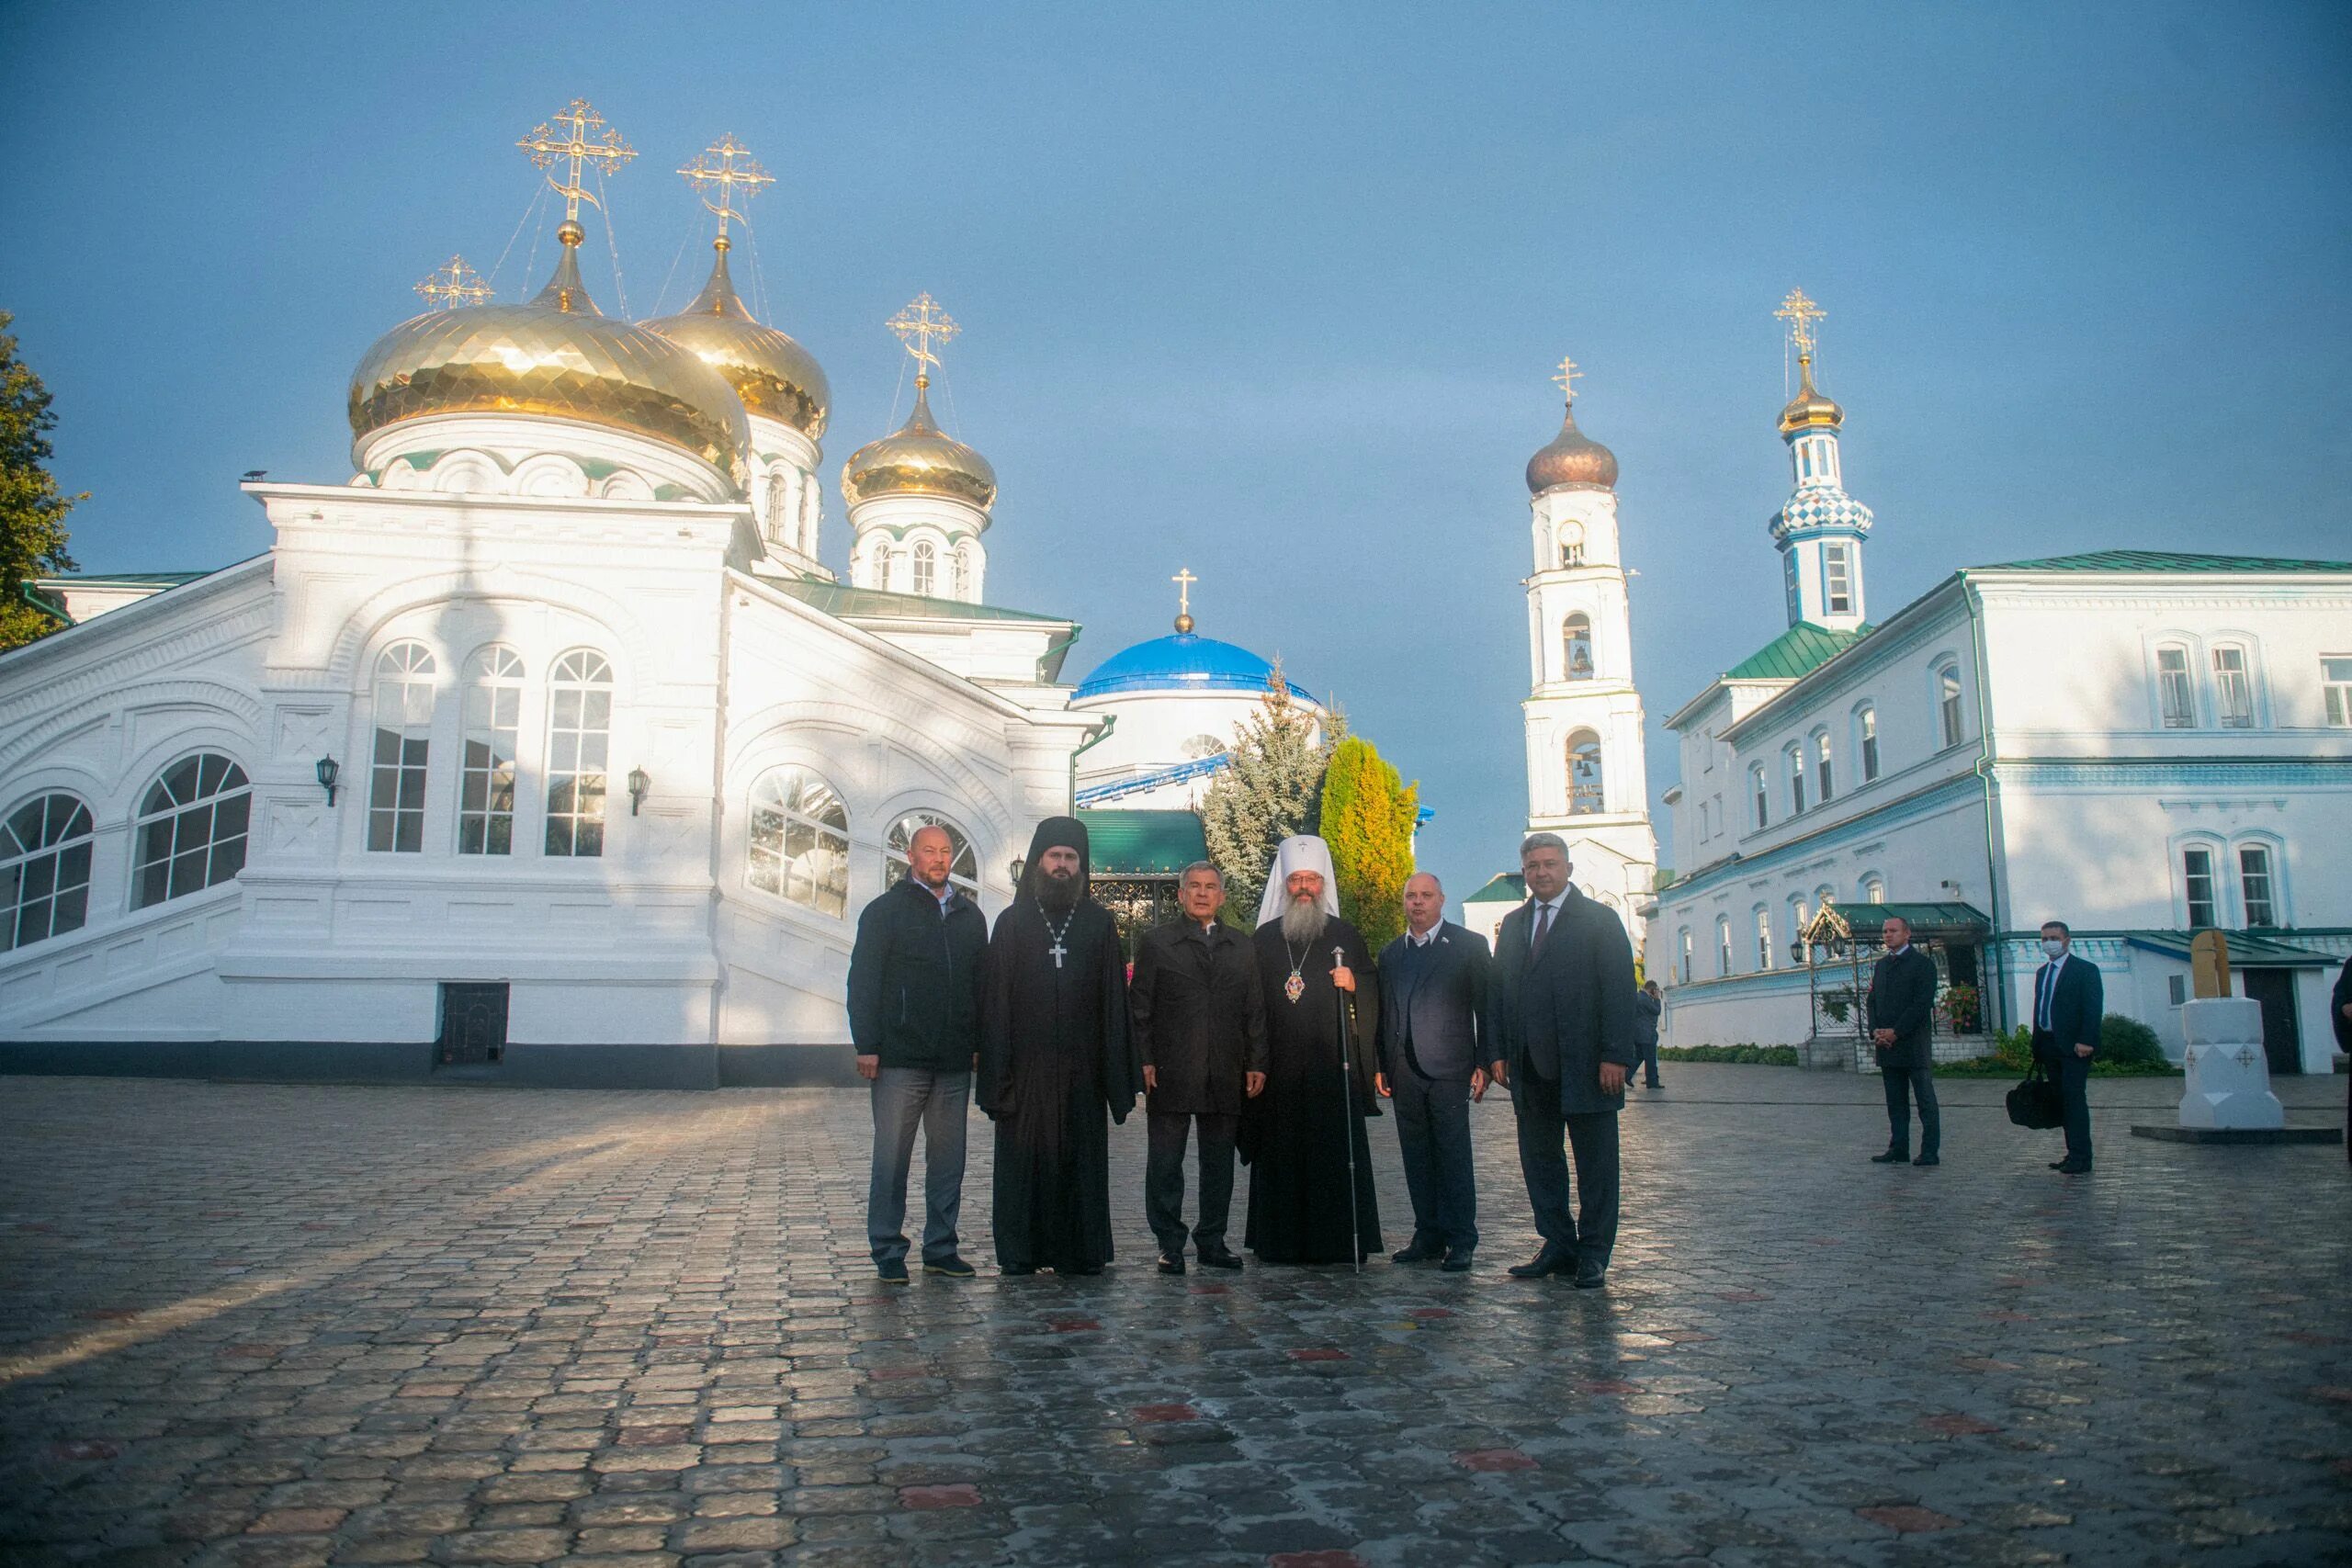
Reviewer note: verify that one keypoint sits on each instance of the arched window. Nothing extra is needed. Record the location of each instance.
(1571, 545)
(44, 870)
(2175, 696)
(799, 848)
(963, 568)
(1821, 765)
(890, 575)
(964, 870)
(2255, 885)
(1576, 647)
(878, 567)
(1866, 741)
(1762, 795)
(2197, 883)
(1873, 889)
(192, 829)
(1683, 959)
(403, 735)
(1795, 761)
(1584, 794)
(780, 526)
(1799, 918)
(2232, 687)
(1763, 938)
(926, 568)
(1948, 724)
(580, 737)
(1722, 944)
(494, 713)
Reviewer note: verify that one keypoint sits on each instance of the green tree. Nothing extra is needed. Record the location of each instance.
(1269, 792)
(1368, 815)
(32, 513)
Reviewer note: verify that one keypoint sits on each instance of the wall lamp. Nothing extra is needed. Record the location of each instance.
(1019, 865)
(638, 786)
(329, 769)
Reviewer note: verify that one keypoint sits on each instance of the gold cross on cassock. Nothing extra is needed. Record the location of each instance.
(454, 285)
(572, 145)
(727, 163)
(920, 324)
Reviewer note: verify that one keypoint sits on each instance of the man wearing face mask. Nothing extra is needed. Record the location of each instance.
(2069, 1000)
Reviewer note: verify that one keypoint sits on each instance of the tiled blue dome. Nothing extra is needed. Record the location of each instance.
(1184, 662)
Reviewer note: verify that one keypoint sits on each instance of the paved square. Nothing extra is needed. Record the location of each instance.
(276, 1324)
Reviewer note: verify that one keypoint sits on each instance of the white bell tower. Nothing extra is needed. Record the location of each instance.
(1586, 778)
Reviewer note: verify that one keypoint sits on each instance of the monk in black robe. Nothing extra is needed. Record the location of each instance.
(1054, 1057)
(1304, 1136)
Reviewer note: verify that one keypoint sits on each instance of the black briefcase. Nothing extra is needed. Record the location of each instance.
(2036, 1103)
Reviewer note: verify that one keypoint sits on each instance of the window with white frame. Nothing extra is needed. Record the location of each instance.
(1837, 567)
(44, 870)
(1683, 957)
(1866, 732)
(1873, 889)
(1763, 938)
(580, 737)
(1576, 647)
(2197, 883)
(1798, 918)
(2175, 696)
(191, 829)
(1722, 944)
(1789, 575)
(1948, 718)
(963, 563)
(404, 674)
(1821, 765)
(2256, 890)
(492, 706)
(2232, 688)
(1757, 788)
(1571, 545)
(926, 568)
(2335, 687)
(964, 870)
(1795, 761)
(799, 844)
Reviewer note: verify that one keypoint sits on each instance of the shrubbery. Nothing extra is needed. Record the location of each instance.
(2127, 1049)
(1746, 1056)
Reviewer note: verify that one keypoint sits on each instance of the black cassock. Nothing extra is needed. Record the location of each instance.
(1296, 1135)
(1053, 1056)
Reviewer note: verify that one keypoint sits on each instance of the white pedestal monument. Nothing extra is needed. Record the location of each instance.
(2229, 1075)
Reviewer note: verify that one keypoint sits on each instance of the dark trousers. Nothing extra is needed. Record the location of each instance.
(906, 1098)
(1901, 1084)
(2073, 1074)
(1163, 1179)
(1592, 1136)
(1433, 1133)
(1648, 1062)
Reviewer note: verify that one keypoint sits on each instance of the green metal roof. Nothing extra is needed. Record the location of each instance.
(1509, 889)
(2164, 561)
(1796, 653)
(839, 599)
(1143, 843)
(2245, 948)
(1925, 920)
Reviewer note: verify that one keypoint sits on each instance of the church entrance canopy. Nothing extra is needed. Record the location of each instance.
(1137, 857)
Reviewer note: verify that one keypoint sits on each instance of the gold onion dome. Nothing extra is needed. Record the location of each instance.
(558, 358)
(1572, 458)
(1810, 409)
(920, 459)
(773, 375)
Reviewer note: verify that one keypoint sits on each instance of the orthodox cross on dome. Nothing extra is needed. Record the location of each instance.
(727, 165)
(920, 325)
(1566, 379)
(1183, 579)
(1801, 313)
(454, 285)
(569, 139)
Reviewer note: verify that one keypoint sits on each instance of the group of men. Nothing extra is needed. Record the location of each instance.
(1274, 1046)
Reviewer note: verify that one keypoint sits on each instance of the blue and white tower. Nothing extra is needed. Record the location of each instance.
(1821, 529)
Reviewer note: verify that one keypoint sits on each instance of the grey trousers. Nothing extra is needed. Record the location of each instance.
(905, 1099)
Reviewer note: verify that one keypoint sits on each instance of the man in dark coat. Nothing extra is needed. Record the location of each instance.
(1649, 1006)
(1053, 1056)
(1199, 1032)
(1903, 1025)
(1303, 1137)
(2069, 1004)
(914, 1019)
(2339, 1012)
(1560, 1008)
(1432, 1064)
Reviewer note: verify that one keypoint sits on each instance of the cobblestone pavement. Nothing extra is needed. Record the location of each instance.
(280, 1325)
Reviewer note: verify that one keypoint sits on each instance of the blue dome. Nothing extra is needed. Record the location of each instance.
(1184, 662)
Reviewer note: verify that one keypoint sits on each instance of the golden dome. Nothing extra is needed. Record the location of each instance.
(773, 376)
(1572, 458)
(559, 357)
(921, 459)
(1809, 409)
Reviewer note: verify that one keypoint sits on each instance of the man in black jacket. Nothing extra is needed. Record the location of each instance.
(1649, 1007)
(1433, 1064)
(2339, 1012)
(2069, 1003)
(1902, 1026)
(914, 1019)
(1560, 1012)
(1198, 1019)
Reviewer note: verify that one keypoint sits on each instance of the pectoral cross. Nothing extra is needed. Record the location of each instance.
(1059, 951)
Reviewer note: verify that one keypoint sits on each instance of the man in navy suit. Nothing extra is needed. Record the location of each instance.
(1560, 1017)
(1432, 1007)
(1901, 1008)
(2069, 1003)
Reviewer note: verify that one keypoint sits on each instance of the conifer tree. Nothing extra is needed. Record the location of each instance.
(1268, 792)
(32, 514)
(1368, 815)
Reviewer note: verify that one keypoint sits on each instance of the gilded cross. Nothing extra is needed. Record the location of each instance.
(727, 165)
(454, 285)
(1566, 379)
(1800, 313)
(569, 139)
(920, 325)
(1183, 579)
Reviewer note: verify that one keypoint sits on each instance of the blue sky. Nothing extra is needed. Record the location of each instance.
(1272, 292)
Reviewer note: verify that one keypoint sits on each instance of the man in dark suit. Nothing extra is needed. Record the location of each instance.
(1649, 1007)
(1560, 1019)
(1903, 1027)
(2339, 1012)
(1198, 1017)
(1432, 1007)
(2069, 1001)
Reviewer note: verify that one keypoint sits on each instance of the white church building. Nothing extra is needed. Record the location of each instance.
(2143, 744)
(542, 747)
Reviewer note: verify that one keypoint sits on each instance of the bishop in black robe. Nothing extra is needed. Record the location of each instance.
(1054, 1056)
(1301, 1135)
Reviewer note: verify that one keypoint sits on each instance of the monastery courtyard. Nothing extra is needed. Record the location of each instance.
(258, 1323)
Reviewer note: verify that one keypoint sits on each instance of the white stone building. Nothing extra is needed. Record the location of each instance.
(2142, 744)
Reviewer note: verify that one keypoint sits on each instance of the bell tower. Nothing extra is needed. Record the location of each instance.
(1820, 531)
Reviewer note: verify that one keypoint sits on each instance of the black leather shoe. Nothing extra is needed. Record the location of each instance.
(1551, 1260)
(2073, 1167)
(1926, 1159)
(1457, 1261)
(1171, 1263)
(1415, 1252)
(890, 1271)
(2057, 1165)
(1223, 1258)
(1591, 1273)
(950, 1267)
(1893, 1156)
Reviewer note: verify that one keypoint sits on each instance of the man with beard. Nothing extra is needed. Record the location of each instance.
(1053, 1056)
(1304, 1136)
